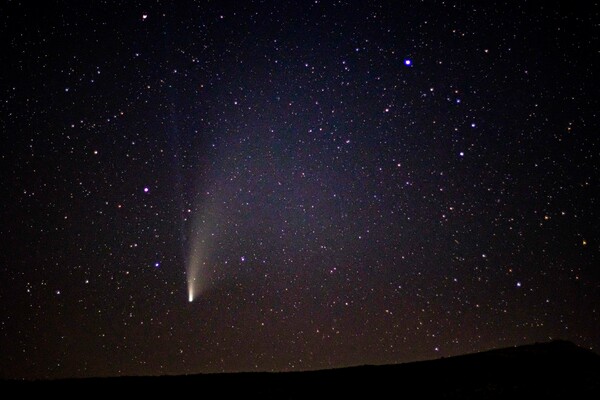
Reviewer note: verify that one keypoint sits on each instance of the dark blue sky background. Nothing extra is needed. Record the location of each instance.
(362, 182)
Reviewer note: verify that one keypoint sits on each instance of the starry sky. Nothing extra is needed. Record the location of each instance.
(286, 185)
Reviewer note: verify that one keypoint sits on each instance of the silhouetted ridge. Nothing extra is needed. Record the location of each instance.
(558, 369)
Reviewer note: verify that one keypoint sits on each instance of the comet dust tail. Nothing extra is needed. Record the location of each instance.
(202, 237)
(197, 273)
(194, 270)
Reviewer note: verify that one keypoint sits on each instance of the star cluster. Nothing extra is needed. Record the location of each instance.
(354, 182)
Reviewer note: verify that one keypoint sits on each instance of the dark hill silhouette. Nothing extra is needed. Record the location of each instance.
(549, 370)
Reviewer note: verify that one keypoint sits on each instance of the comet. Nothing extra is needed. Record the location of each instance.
(198, 255)
(195, 268)
(201, 240)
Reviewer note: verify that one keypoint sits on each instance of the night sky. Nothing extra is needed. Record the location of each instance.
(290, 185)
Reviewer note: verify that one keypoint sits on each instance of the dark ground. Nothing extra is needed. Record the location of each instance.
(550, 370)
